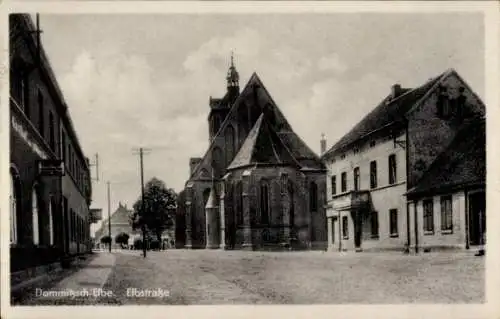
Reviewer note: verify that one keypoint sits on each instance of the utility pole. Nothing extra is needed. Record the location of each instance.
(143, 224)
(109, 218)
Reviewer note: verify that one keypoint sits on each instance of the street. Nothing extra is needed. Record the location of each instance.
(239, 277)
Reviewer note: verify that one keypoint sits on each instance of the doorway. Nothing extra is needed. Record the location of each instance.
(358, 227)
(477, 217)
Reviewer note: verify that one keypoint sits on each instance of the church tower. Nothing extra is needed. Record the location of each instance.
(219, 108)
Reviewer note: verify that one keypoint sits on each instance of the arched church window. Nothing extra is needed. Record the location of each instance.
(34, 215)
(292, 203)
(216, 124)
(238, 200)
(217, 161)
(264, 202)
(230, 144)
(313, 197)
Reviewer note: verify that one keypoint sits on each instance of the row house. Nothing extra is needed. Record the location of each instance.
(50, 185)
(381, 182)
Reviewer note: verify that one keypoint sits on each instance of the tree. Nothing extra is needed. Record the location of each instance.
(122, 238)
(158, 211)
(106, 239)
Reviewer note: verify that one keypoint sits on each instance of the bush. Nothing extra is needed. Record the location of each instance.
(106, 239)
(138, 243)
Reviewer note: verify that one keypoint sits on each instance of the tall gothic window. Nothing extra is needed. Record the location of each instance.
(264, 202)
(238, 193)
(292, 203)
(35, 217)
(230, 144)
(313, 196)
(217, 161)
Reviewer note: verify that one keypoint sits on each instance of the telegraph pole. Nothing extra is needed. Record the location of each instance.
(109, 218)
(141, 154)
(143, 224)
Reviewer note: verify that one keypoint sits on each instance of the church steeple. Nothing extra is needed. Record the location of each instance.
(233, 80)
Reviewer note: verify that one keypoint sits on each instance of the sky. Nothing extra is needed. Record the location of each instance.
(145, 80)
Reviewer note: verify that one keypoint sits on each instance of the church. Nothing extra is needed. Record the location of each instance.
(258, 186)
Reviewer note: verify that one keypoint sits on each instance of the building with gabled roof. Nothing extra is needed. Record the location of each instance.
(399, 151)
(266, 185)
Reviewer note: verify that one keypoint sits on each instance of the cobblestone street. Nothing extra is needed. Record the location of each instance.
(237, 277)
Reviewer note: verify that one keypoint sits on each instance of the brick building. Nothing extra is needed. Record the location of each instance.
(398, 149)
(50, 190)
(258, 186)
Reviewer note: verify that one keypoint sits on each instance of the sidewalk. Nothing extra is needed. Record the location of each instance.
(94, 275)
(82, 287)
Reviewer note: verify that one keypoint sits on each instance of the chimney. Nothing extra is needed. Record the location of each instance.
(323, 144)
(193, 162)
(395, 91)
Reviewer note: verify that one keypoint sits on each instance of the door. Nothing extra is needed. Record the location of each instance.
(358, 230)
(477, 217)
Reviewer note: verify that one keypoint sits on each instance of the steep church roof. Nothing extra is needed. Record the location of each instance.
(300, 151)
(262, 146)
(386, 113)
(463, 163)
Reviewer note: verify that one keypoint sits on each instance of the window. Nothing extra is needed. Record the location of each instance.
(34, 215)
(373, 174)
(334, 185)
(264, 202)
(238, 193)
(374, 224)
(446, 213)
(41, 117)
(51, 223)
(313, 196)
(13, 208)
(217, 162)
(356, 179)
(392, 169)
(63, 147)
(52, 136)
(393, 218)
(343, 182)
(428, 216)
(292, 204)
(372, 143)
(345, 227)
(342, 156)
(230, 146)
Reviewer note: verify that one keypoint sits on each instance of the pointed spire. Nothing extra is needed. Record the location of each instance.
(233, 78)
